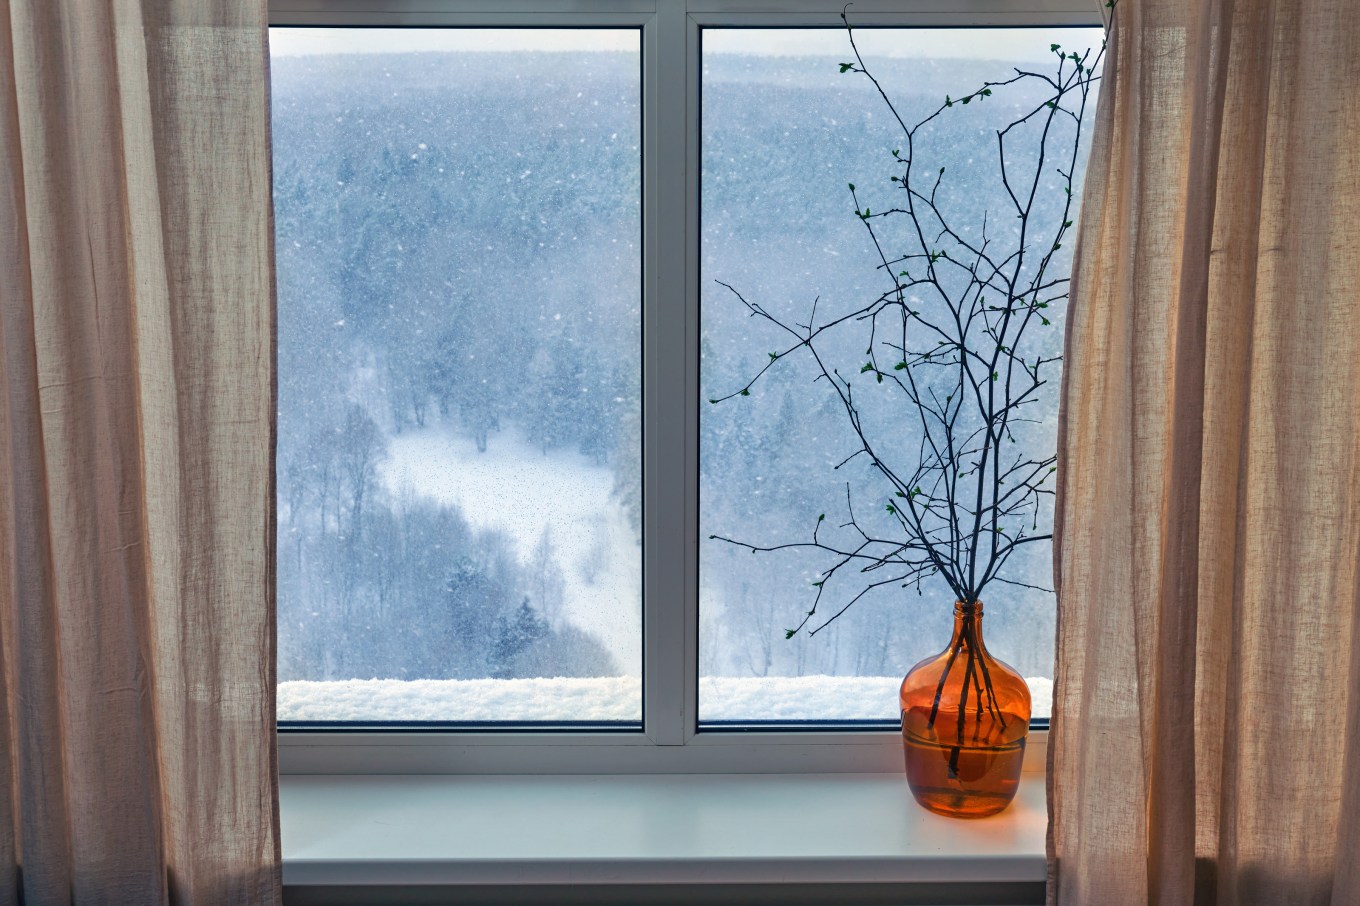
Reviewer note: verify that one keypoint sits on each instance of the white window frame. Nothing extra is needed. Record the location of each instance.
(668, 741)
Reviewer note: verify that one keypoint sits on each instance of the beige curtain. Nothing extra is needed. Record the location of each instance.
(1206, 731)
(136, 561)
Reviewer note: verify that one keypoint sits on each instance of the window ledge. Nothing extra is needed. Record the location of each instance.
(644, 830)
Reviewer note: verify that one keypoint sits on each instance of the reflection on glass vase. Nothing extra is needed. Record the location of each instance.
(965, 716)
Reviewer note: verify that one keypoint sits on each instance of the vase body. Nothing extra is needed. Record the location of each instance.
(965, 717)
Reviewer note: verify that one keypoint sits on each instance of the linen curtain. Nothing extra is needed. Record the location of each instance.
(136, 384)
(1206, 730)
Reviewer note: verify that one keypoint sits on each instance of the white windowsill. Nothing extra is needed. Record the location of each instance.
(645, 829)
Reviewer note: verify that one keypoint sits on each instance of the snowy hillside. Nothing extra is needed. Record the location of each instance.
(517, 489)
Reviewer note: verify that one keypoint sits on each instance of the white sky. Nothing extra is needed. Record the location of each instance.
(293, 42)
(1019, 44)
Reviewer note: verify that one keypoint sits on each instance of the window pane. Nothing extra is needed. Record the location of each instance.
(459, 509)
(785, 132)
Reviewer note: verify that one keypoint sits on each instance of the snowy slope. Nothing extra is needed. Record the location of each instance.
(516, 488)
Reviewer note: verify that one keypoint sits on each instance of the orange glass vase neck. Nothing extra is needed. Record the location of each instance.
(965, 718)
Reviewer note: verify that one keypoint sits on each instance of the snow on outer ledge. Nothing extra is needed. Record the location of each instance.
(600, 699)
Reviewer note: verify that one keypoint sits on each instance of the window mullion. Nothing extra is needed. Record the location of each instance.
(693, 160)
(668, 434)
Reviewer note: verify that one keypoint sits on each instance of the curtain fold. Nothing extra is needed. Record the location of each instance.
(136, 427)
(1206, 726)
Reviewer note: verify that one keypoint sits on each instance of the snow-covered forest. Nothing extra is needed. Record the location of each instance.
(458, 269)
(459, 454)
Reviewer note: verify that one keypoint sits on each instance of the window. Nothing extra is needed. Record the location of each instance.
(459, 461)
(784, 131)
(597, 221)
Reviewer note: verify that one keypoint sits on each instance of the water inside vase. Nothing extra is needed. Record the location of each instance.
(972, 780)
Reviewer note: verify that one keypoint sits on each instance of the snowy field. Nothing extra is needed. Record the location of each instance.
(517, 489)
(601, 699)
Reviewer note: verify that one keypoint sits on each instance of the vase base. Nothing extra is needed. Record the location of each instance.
(955, 804)
(963, 781)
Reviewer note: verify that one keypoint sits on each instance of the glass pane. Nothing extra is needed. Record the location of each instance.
(459, 510)
(795, 149)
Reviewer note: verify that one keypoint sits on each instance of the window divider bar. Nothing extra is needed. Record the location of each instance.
(667, 535)
(693, 162)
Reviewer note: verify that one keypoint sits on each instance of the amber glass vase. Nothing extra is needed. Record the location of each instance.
(965, 716)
